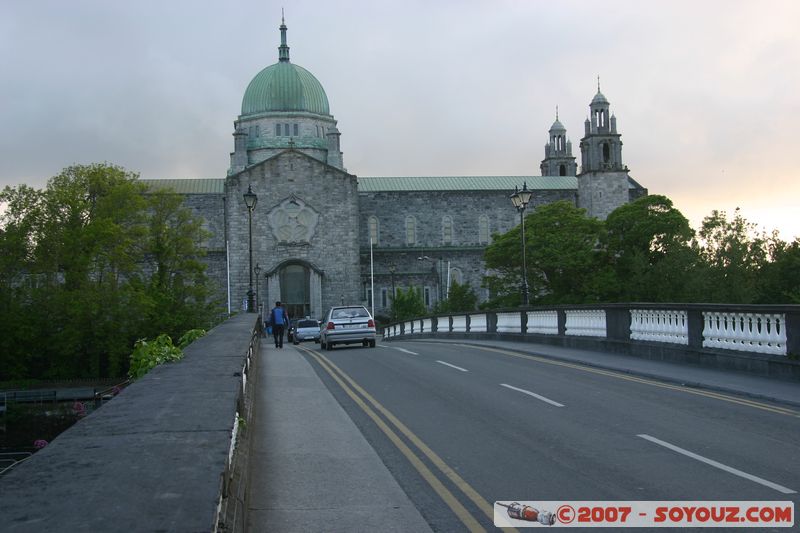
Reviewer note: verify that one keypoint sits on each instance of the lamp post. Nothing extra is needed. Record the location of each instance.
(520, 200)
(250, 200)
(257, 271)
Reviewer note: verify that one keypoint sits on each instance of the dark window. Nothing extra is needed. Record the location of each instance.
(277, 130)
(296, 130)
(606, 152)
(562, 170)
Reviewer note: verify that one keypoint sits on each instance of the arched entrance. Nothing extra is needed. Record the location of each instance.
(298, 285)
(296, 290)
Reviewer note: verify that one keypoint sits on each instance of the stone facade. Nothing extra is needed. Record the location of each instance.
(313, 222)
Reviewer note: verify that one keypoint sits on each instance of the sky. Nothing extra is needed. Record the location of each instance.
(706, 93)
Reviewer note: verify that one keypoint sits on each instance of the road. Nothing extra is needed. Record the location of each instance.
(462, 426)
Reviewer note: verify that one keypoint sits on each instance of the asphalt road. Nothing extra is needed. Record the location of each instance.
(478, 424)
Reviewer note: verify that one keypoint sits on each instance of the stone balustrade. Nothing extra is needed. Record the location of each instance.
(679, 331)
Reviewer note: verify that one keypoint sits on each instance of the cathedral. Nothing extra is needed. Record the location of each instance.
(317, 235)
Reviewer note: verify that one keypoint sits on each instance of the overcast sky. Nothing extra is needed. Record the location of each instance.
(706, 93)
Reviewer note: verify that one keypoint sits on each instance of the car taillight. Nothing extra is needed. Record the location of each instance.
(370, 323)
(330, 326)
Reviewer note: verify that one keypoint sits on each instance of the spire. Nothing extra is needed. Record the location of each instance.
(283, 49)
(598, 83)
(556, 112)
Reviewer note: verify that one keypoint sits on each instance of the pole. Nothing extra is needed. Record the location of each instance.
(524, 262)
(371, 279)
(250, 302)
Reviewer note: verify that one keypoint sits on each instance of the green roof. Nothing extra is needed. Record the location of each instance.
(283, 87)
(189, 186)
(386, 184)
(465, 183)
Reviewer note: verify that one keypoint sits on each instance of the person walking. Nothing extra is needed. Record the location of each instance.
(279, 321)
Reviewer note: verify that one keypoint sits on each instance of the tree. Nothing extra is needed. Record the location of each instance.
(779, 280)
(178, 291)
(408, 304)
(460, 299)
(733, 254)
(649, 245)
(565, 263)
(76, 273)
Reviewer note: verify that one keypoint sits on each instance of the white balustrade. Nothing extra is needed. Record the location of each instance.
(419, 326)
(409, 328)
(543, 322)
(748, 332)
(460, 323)
(509, 323)
(477, 323)
(395, 330)
(659, 325)
(586, 323)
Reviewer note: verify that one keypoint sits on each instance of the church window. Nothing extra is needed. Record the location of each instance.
(427, 296)
(317, 126)
(456, 276)
(483, 229)
(296, 130)
(447, 230)
(562, 170)
(277, 130)
(384, 298)
(286, 130)
(369, 296)
(374, 229)
(411, 231)
(258, 130)
(606, 153)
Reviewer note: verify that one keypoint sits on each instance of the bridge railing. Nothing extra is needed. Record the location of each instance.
(654, 329)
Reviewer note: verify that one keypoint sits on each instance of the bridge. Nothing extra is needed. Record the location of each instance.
(425, 432)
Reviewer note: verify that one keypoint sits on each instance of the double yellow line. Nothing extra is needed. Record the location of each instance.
(681, 388)
(359, 395)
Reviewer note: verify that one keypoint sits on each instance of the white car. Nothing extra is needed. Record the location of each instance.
(347, 324)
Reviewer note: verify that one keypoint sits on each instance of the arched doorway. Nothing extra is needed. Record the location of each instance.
(295, 289)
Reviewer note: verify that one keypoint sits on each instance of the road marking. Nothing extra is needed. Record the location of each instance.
(529, 393)
(399, 349)
(458, 509)
(721, 466)
(628, 377)
(452, 366)
(437, 461)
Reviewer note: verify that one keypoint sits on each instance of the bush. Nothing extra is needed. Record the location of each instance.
(190, 336)
(149, 354)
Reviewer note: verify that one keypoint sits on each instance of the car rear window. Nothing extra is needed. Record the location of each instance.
(307, 324)
(350, 312)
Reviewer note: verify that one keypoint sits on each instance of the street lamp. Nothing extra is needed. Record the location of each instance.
(250, 200)
(257, 271)
(520, 200)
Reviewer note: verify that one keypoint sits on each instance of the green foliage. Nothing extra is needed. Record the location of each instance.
(87, 266)
(190, 336)
(461, 299)
(408, 304)
(649, 244)
(734, 254)
(564, 262)
(148, 355)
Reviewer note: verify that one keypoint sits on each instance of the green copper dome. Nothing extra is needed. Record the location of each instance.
(284, 87)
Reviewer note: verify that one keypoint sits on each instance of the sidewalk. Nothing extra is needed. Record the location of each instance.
(787, 392)
(312, 469)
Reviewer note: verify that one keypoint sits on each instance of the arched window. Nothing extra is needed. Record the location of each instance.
(606, 153)
(296, 130)
(277, 130)
(258, 130)
(455, 277)
(447, 230)
(411, 231)
(483, 229)
(374, 229)
(562, 170)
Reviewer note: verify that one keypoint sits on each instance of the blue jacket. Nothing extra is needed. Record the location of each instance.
(272, 316)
